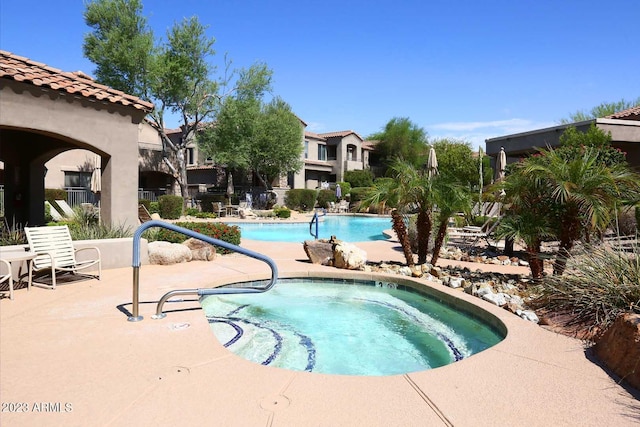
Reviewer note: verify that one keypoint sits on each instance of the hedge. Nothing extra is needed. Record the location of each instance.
(217, 230)
(170, 206)
(301, 199)
(325, 197)
(359, 178)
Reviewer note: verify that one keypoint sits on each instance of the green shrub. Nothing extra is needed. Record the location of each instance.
(205, 215)
(47, 213)
(217, 230)
(12, 234)
(359, 193)
(84, 231)
(361, 178)
(154, 207)
(282, 212)
(301, 199)
(325, 197)
(170, 206)
(53, 194)
(192, 212)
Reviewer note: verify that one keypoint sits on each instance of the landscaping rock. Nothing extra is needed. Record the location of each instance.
(619, 348)
(166, 253)
(528, 315)
(319, 251)
(200, 250)
(350, 257)
(498, 299)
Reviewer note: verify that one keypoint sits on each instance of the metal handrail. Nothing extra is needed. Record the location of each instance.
(314, 219)
(135, 317)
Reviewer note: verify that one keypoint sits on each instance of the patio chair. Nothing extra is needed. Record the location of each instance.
(55, 252)
(7, 277)
(66, 209)
(143, 214)
(55, 215)
(219, 209)
(343, 206)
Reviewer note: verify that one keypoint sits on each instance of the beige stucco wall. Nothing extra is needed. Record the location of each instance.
(70, 121)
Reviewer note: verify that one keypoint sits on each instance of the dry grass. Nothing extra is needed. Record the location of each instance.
(599, 284)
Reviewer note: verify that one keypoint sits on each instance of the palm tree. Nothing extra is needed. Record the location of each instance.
(450, 198)
(526, 218)
(583, 191)
(410, 190)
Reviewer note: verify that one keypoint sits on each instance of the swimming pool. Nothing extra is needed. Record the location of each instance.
(344, 227)
(346, 326)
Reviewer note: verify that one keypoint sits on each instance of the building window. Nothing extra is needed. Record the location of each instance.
(306, 149)
(190, 159)
(322, 152)
(77, 179)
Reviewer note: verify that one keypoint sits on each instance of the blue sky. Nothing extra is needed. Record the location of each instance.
(463, 69)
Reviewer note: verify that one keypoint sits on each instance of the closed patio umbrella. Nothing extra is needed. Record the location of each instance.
(96, 180)
(338, 191)
(432, 163)
(230, 189)
(501, 164)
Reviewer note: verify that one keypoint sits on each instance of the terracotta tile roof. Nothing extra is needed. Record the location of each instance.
(308, 134)
(369, 145)
(22, 69)
(632, 113)
(340, 134)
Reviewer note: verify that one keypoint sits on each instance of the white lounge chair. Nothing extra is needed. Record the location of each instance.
(7, 276)
(66, 209)
(54, 249)
(53, 212)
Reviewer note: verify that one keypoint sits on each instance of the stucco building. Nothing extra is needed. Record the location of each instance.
(624, 127)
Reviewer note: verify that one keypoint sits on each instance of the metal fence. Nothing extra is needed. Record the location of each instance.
(79, 195)
(1, 200)
(151, 194)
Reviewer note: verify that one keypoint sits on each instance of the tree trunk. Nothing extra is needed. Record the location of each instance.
(437, 245)
(560, 264)
(508, 246)
(536, 264)
(423, 225)
(403, 237)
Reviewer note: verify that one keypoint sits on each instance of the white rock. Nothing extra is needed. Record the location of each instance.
(523, 263)
(498, 299)
(349, 256)
(456, 282)
(483, 288)
(166, 253)
(405, 271)
(528, 315)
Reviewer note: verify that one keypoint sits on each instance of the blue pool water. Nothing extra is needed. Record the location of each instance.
(346, 228)
(352, 327)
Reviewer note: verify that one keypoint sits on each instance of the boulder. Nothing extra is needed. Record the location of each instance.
(319, 251)
(200, 250)
(166, 253)
(619, 348)
(348, 256)
(498, 299)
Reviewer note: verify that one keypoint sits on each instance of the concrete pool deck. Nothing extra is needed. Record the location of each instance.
(70, 358)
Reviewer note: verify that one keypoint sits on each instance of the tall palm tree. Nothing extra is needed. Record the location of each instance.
(583, 191)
